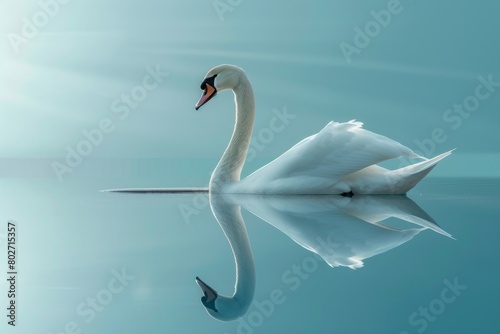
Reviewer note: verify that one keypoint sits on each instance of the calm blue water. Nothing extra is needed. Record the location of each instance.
(74, 242)
(97, 95)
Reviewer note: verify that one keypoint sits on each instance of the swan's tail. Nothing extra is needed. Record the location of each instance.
(377, 180)
(405, 178)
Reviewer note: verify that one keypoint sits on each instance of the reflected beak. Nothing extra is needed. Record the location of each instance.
(207, 94)
(210, 294)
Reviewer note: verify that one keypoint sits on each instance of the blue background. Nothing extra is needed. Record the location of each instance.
(64, 80)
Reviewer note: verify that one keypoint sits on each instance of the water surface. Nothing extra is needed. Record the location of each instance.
(73, 243)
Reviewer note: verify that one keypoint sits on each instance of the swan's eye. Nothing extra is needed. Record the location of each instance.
(210, 81)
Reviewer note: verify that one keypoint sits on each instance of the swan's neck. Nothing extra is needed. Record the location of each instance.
(229, 168)
(231, 222)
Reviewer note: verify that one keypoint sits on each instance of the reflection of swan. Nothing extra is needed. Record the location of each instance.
(341, 158)
(343, 231)
(230, 308)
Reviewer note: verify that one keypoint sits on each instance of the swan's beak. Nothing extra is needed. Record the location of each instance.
(209, 293)
(207, 94)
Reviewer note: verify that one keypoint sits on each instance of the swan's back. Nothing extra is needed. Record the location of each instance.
(322, 163)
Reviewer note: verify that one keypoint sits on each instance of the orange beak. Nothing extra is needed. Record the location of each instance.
(207, 94)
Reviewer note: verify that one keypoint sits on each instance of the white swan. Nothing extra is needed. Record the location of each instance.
(340, 159)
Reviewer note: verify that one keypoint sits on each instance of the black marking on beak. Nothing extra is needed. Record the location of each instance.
(210, 81)
(209, 91)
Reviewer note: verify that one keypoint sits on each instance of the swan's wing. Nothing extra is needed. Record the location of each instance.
(320, 161)
(321, 224)
(376, 209)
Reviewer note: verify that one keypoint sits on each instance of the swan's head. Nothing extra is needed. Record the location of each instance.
(219, 78)
(221, 307)
(209, 297)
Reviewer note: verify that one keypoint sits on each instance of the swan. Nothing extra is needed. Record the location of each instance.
(340, 159)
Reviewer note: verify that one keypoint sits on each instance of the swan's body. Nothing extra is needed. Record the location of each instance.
(341, 159)
(343, 231)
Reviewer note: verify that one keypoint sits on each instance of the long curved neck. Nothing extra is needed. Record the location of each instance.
(229, 217)
(229, 168)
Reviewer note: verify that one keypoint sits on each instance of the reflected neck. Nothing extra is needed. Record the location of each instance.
(231, 222)
(229, 168)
